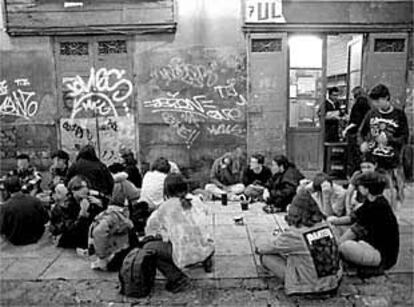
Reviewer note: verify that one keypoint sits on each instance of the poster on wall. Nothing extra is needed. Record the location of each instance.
(76, 133)
(114, 133)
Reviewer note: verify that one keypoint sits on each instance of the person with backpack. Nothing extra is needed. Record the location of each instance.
(178, 239)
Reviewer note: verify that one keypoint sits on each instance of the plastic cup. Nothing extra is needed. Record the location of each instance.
(244, 205)
(224, 199)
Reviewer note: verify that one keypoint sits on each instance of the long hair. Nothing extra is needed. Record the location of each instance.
(319, 179)
(161, 164)
(176, 186)
(304, 211)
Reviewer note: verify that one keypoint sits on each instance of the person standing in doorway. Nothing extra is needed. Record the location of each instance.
(383, 133)
(359, 109)
(332, 108)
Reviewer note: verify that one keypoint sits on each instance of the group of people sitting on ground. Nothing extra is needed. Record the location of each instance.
(99, 211)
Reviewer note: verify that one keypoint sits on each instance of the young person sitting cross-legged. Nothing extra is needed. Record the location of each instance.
(281, 188)
(372, 242)
(225, 177)
(255, 177)
(22, 216)
(305, 256)
(70, 220)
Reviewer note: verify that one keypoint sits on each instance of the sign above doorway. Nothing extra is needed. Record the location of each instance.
(264, 11)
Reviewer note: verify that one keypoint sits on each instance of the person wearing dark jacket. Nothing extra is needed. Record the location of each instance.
(71, 219)
(372, 242)
(281, 188)
(22, 216)
(383, 133)
(59, 167)
(131, 169)
(255, 177)
(358, 111)
(88, 165)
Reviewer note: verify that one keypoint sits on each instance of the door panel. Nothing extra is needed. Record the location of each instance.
(385, 61)
(305, 97)
(267, 96)
(94, 80)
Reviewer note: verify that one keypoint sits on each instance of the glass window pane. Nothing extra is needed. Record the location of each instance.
(305, 91)
(305, 51)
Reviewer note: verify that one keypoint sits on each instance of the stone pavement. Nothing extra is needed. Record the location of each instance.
(41, 274)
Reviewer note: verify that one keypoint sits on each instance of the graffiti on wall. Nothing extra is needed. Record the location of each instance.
(17, 99)
(98, 94)
(107, 134)
(191, 74)
(219, 102)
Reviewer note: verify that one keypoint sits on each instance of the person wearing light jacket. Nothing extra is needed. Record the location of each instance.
(124, 191)
(306, 255)
(182, 221)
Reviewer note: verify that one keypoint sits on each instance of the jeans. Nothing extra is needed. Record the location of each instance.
(165, 262)
(360, 253)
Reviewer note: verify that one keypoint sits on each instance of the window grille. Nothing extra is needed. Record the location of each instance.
(267, 45)
(389, 45)
(74, 48)
(111, 47)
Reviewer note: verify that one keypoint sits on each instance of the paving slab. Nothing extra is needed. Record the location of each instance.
(225, 218)
(233, 246)
(6, 262)
(229, 231)
(44, 248)
(71, 266)
(260, 219)
(235, 267)
(26, 268)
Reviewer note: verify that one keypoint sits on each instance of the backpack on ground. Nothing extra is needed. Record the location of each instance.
(137, 273)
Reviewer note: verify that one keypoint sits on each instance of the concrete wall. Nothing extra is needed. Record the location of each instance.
(191, 86)
(28, 106)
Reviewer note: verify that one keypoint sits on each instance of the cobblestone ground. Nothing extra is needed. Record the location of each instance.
(390, 290)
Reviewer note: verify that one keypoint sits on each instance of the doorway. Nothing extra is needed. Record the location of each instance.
(305, 95)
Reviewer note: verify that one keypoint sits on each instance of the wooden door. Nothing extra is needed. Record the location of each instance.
(266, 120)
(305, 101)
(354, 69)
(96, 94)
(385, 61)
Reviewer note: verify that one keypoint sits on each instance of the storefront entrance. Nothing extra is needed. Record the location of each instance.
(290, 77)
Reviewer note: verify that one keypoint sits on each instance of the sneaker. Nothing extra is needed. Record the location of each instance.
(271, 210)
(83, 252)
(179, 285)
(99, 264)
